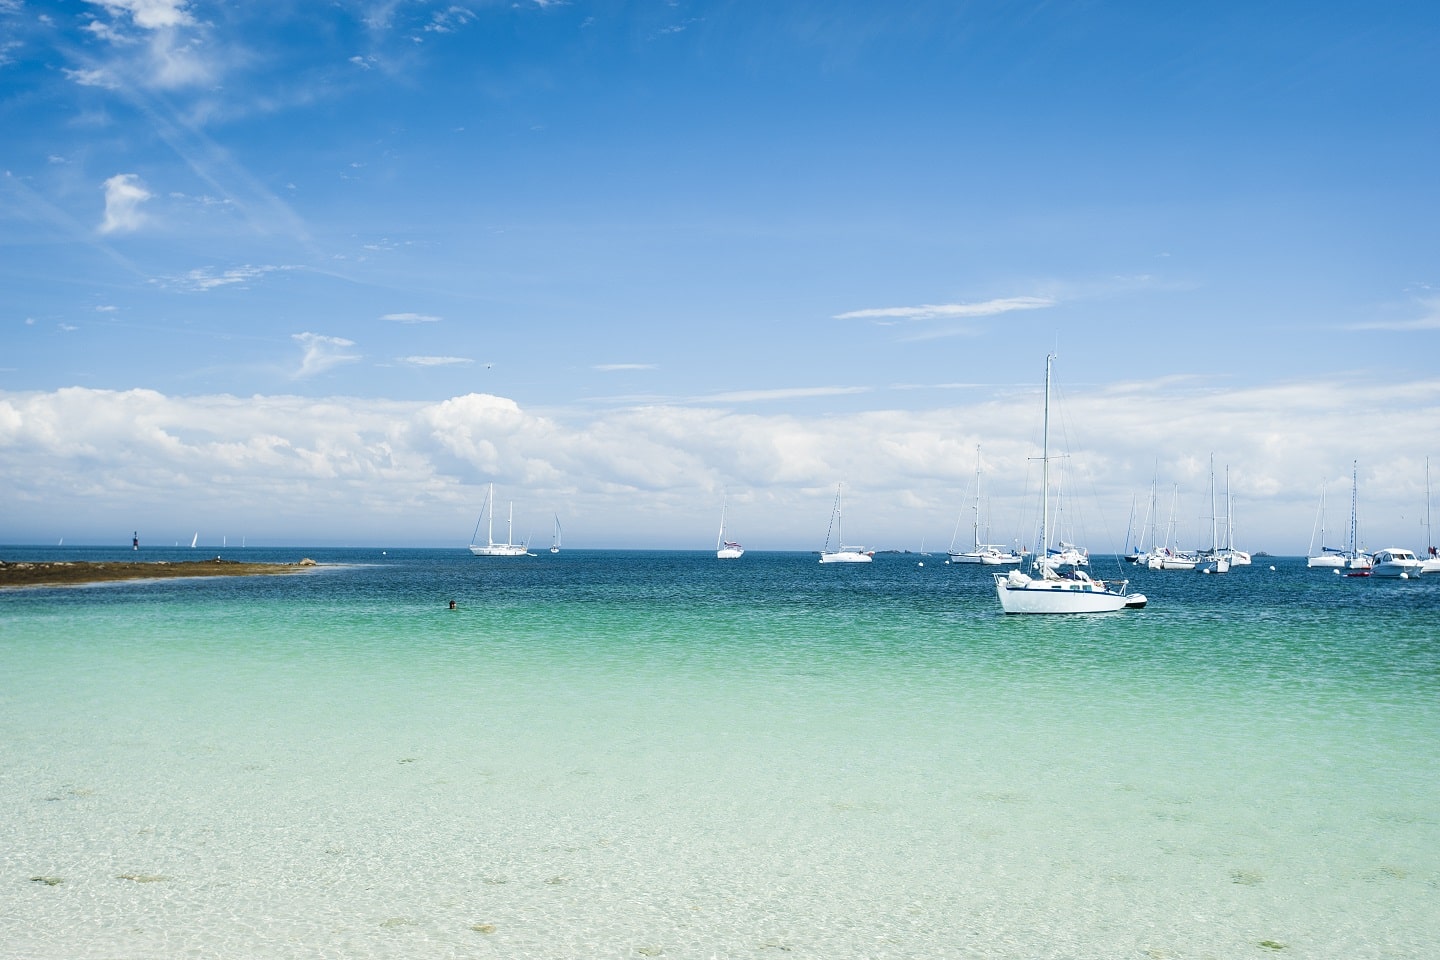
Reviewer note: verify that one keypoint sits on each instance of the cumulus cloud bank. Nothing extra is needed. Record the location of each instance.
(81, 463)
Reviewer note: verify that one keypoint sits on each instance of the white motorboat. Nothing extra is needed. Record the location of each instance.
(1395, 562)
(1044, 589)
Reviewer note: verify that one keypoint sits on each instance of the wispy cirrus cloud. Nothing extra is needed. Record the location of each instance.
(950, 311)
(782, 393)
(434, 361)
(1429, 320)
(124, 195)
(321, 353)
(411, 318)
(449, 20)
(203, 279)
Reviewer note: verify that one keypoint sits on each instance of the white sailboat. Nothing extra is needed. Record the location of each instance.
(1326, 557)
(490, 548)
(726, 549)
(1236, 556)
(1149, 528)
(1166, 557)
(1348, 557)
(990, 554)
(1213, 560)
(195, 539)
(555, 537)
(842, 553)
(1044, 590)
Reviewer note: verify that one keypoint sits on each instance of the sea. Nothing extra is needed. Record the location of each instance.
(628, 754)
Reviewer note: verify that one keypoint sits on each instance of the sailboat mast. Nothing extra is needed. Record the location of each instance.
(1229, 513)
(490, 531)
(1354, 487)
(1045, 469)
(975, 535)
(1214, 528)
(1430, 543)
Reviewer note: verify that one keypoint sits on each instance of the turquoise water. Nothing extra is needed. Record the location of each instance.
(659, 754)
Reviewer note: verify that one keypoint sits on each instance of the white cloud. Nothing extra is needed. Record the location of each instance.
(124, 193)
(1428, 320)
(435, 361)
(449, 20)
(157, 43)
(150, 14)
(411, 318)
(203, 279)
(784, 393)
(365, 470)
(321, 353)
(950, 311)
(94, 77)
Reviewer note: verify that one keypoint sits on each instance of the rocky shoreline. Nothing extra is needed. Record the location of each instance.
(18, 573)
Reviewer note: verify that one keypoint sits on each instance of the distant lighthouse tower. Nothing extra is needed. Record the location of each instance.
(135, 541)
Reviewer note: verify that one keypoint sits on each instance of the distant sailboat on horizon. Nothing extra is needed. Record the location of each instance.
(1350, 556)
(490, 548)
(726, 549)
(842, 553)
(989, 554)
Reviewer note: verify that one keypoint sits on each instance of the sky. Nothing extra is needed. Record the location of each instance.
(321, 273)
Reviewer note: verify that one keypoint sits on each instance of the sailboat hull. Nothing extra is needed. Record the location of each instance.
(846, 556)
(1021, 594)
(1048, 591)
(490, 548)
(498, 549)
(990, 558)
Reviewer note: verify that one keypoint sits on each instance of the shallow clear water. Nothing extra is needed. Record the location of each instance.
(660, 754)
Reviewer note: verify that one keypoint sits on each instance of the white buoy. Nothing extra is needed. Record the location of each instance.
(920, 564)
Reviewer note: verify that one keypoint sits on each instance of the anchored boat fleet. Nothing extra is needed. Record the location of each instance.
(1055, 579)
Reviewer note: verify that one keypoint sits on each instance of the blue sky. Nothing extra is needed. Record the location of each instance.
(322, 271)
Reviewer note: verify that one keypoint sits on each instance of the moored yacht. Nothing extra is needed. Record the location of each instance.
(1395, 562)
(1044, 589)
